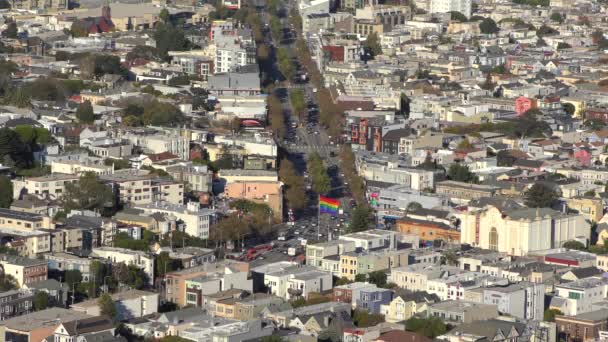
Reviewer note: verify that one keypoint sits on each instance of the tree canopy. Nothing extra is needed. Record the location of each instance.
(169, 38)
(488, 26)
(90, 194)
(461, 173)
(372, 45)
(540, 196)
(6, 192)
(85, 113)
(429, 327)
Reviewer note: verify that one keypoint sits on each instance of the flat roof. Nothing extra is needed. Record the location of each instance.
(20, 215)
(51, 317)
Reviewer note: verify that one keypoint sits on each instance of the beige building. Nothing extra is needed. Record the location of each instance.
(601, 262)
(520, 231)
(195, 219)
(144, 189)
(74, 167)
(53, 185)
(18, 220)
(399, 310)
(231, 176)
(461, 192)
(591, 208)
(24, 270)
(265, 192)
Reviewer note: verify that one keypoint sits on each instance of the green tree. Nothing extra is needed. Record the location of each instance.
(361, 277)
(4, 4)
(276, 28)
(169, 38)
(377, 277)
(8, 282)
(413, 206)
(106, 306)
(144, 52)
(41, 300)
(540, 196)
(90, 194)
(13, 152)
(364, 319)
(360, 219)
(11, 30)
(460, 173)
(429, 327)
(557, 17)
(458, 16)
(372, 45)
(19, 98)
(78, 29)
(321, 183)
(549, 314)
(488, 26)
(545, 30)
(164, 264)
(562, 46)
(6, 192)
(164, 15)
(33, 135)
(341, 281)
(84, 113)
(569, 108)
(573, 244)
(72, 277)
(161, 114)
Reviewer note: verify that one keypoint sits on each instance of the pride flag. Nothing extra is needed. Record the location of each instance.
(328, 205)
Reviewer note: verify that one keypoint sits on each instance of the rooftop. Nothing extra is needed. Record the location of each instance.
(45, 318)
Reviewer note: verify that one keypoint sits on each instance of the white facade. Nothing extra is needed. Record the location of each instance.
(444, 6)
(524, 300)
(578, 297)
(196, 220)
(129, 257)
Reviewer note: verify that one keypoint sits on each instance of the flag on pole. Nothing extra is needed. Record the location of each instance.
(328, 205)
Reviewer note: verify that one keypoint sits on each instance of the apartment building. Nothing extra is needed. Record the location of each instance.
(523, 300)
(23, 221)
(297, 281)
(195, 219)
(354, 263)
(39, 4)
(129, 257)
(136, 189)
(414, 277)
(578, 297)
(153, 141)
(269, 193)
(16, 303)
(52, 185)
(129, 304)
(198, 177)
(65, 262)
(24, 270)
(457, 312)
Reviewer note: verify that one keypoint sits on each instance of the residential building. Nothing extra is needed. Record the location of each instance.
(154, 141)
(129, 304)
(97, 328)
(52, 185)
(23, 221)
(25, 271)
(445, 6)
(129, 257)
(16, 303)
(136, 189)
(523, 300)
(456, 312)
(586, 326)
(270, 193)
(578, 297)
(198, 177)
(293, 282)
(37, 326)
(195, 219)
(428, 230)
(75, 167)
(460, 192)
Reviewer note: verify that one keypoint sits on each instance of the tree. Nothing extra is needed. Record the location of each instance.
(461, 173)
(164, 15)
(540, 196)
(72, 277)
(429, 327)
(569, 108)
(377, 277)
(372, 45)
(144, 52)
(6, 192)
(562, 46)
(321, 183)
(556, 16)
(573, 244)
(19, 98)
(12, 150)
(11, 30)
(84, 113)
(361, 277)
(8, 282)
(78, 29)
(545, 30)
(90, 194)
(341, 281)
(465, 145)
(41, 300)
(169, 38)
(458, 16)
(364, 319)
(413, 206)
(106, 306)
(550, 314)
(360, 219)
(488, 26)
(161, 114)
(4, 4)
(164, 264)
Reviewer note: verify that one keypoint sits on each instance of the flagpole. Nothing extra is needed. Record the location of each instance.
(319, 216)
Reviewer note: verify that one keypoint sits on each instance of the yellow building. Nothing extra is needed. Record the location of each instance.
(348, 266)
(591, 208)
(579, 106)
(399, 310)
(601, 262)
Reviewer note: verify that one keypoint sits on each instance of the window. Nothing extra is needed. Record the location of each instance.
(493, 245)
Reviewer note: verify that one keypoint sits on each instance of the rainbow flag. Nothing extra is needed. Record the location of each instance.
(328, 205)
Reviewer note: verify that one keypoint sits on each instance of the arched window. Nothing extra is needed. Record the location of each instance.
(493, 239)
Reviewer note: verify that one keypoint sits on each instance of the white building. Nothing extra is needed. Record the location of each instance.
(444, 6)
(129, 304)
(524, 300)
(196, 220)
(579, 296)
(297, 281)
(129, 257)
